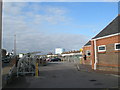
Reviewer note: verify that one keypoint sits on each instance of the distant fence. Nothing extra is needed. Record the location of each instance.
(74, 58)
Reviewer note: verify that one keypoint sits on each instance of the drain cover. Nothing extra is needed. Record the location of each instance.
(92, 80)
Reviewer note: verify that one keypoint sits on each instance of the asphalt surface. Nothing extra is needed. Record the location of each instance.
(64, 75)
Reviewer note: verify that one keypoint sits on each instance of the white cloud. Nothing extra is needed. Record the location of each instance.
(13, 8)
(55, 10)
(46, 43)
(29, 30)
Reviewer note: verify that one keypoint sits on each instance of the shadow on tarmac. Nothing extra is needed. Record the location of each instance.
(18, 82)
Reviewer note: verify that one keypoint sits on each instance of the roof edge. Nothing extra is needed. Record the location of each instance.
(86, 45)
(106, 36)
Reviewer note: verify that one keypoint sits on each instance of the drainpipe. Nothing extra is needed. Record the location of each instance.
(95, 50)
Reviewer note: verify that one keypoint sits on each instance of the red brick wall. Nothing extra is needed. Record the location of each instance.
(109, 58)
(88, 61)
(109, 40)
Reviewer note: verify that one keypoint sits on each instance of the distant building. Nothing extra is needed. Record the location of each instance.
(21, 55)
(59, 50)
(87, 52)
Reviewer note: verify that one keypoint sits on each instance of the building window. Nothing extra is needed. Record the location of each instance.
(88, 52)
(117, 46)
(101, 48)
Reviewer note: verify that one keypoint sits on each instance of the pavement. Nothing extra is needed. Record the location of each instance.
(5, 71)
(88, 68)
(64, 75)
(83, 67)
(6, 67)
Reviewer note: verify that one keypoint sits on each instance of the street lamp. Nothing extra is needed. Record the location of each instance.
(15, 44)
(0, 44)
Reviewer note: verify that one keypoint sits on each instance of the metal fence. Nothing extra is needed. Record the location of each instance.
(26, 65)
(74, 58)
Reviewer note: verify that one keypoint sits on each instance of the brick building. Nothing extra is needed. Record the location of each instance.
(105, 48)
(87, 52)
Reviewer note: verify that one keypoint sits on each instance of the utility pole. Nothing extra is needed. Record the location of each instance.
(0, 44)
(15, 44)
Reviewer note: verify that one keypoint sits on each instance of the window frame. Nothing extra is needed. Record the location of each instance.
(102, 50)
(115, 46)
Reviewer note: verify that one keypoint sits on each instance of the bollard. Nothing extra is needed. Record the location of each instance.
(36, 74)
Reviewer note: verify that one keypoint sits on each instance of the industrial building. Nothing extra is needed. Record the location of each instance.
(59, 50)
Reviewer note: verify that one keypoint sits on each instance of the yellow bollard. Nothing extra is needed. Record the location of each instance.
(36, 74)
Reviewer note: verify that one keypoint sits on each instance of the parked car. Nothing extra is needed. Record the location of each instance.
(55, 59)
(47, 59)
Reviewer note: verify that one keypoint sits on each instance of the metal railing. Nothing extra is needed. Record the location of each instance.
(26, 65)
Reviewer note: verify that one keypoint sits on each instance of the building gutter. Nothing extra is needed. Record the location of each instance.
(107, 36)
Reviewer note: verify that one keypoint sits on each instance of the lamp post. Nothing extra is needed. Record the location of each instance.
(15, 44)
(0, 44)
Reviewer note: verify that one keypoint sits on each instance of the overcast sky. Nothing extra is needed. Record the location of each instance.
(45, 26)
